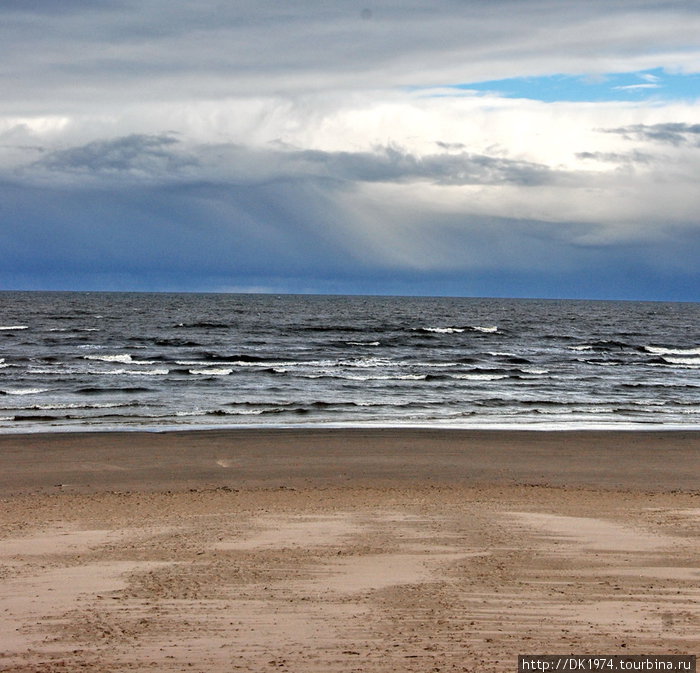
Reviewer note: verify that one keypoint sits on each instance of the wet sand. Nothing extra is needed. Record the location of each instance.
(345, 550)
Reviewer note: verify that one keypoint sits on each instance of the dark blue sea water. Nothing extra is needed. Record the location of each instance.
(123, 360)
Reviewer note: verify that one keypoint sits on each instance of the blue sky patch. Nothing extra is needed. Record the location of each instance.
(629, 86)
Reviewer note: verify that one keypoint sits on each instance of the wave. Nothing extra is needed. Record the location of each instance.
(295, 407)
(608, 345)
(360, 362)
(319, 404)
(602, 363)
(358, 377)
(456, 330)
(41, 417)
(93, 390)
(480, 377)
(441, 330)
(75, 330)
(257, 361)
(201, 325)
(78, 405)
(211, 371)
(656, 384)
(253, 366)
(682, 361)
(129, 372)
(208, 356)
(468, 360)
(124, 359)
(23, 391)
(177, 343)
(13, 327)
(340, 328)
(660, 350)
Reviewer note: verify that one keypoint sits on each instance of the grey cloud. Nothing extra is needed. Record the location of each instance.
(147, 154)
(394, 165)
(635, 157)
(160, 157)
(672, 133)
(450, 146)
(158, 49)
(64, 7)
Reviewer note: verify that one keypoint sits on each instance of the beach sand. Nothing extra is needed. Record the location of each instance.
(345, 550)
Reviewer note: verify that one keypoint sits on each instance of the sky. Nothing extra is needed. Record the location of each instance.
(516, 148)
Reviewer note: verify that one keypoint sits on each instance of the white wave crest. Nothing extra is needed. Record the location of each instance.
(130, 372)
(124, 359)
(489, 330)
(480, 377)
(366, 362)
(659, 350)
(78, 405)
(405, 377)
(682, 361)
(444, 330)
(13, 327)
(25, 391)
(211, 371)
(357, 377)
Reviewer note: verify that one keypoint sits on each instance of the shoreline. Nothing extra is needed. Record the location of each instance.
(525, 426)
(92, 461)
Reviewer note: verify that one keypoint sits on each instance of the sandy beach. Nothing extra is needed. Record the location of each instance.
(345, 550)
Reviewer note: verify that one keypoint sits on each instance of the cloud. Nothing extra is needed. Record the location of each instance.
(389, 164)
(111, 53)
(635, 157)
(672, 133)
(304, 234)
(260, 143)
(146, 155)
(636, 87)
(165, 158)
(49, 7)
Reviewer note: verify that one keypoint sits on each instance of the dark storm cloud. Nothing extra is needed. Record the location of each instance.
(213, 236)
(198, 229)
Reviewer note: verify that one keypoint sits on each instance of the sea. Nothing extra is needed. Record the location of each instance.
(155, 361)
